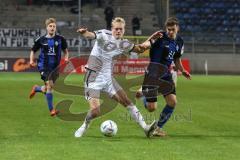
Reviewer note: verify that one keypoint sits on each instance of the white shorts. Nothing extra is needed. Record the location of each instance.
(95, 83)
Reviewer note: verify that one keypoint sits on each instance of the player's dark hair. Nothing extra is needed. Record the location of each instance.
(171, 21)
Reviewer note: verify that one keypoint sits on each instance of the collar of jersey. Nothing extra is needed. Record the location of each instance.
(50, 37)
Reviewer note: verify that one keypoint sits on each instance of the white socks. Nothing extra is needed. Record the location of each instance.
(136, 115)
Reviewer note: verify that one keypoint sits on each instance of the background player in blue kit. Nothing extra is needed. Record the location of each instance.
(164, 50)
(50, 46)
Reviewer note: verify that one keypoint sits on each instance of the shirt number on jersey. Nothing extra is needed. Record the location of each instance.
(51, 51)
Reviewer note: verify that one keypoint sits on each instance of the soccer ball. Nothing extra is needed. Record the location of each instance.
(109, 128)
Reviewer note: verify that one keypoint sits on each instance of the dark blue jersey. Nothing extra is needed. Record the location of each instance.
(50, 51)
(165, 50)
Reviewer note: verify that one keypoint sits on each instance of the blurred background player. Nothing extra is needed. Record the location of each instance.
(163, 51)
(99, 76)
(50, 46)
(109, 14)
(136, 25)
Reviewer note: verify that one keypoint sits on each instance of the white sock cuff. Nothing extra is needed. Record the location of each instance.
(131, 106)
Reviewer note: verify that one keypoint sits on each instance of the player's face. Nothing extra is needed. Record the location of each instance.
(118, 30)
(172, 31)
(51, 28)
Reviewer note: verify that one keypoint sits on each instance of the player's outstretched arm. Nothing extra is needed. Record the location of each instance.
(85, 33)
(178, 64)
(147, 44)
(139, 48)
(66, 55)
(155, 36)
(32, 63)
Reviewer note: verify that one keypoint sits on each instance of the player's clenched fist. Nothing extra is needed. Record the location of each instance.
(32, 63)
(187, 74)
(82, 30)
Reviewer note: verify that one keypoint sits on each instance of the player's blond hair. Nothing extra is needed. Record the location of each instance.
(50, 20)
(118, 20)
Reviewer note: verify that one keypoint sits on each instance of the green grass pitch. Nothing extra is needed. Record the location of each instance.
(206, 124)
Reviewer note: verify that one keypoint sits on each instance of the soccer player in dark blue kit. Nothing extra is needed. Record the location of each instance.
(50, 46)
(165, 48)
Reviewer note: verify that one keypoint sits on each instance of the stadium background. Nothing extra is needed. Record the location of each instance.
(206, 124)
(210, 29)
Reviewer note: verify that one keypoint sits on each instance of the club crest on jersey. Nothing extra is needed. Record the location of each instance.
(177, 47)
(56, 43)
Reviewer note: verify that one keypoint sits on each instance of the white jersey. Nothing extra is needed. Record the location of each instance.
(105, 49)
(100, 64)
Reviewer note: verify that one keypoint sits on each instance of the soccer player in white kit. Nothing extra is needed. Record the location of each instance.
(99, 76)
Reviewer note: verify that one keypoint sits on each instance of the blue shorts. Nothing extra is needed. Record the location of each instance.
(47, 75)
(157, 84)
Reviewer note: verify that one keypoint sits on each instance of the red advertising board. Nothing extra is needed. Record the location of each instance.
(129, 66)
(77, 65)
(15, 65)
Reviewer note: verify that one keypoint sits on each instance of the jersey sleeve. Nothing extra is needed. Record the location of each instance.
(64, 44)
(36, 44)
(127, 46)
(156, 42)
(99, 34)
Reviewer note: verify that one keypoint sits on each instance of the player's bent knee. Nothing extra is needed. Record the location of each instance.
(171, 100)
(172, 103)
(151, 107)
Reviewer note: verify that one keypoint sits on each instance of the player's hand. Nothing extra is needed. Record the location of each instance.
(32, 63)
(82, 30)
(66, 60)
(142, 47)
(187, 75)
(157, 35)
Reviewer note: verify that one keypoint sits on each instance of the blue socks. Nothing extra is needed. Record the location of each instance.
(49, 98)
(38, 89)
(165, 115)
